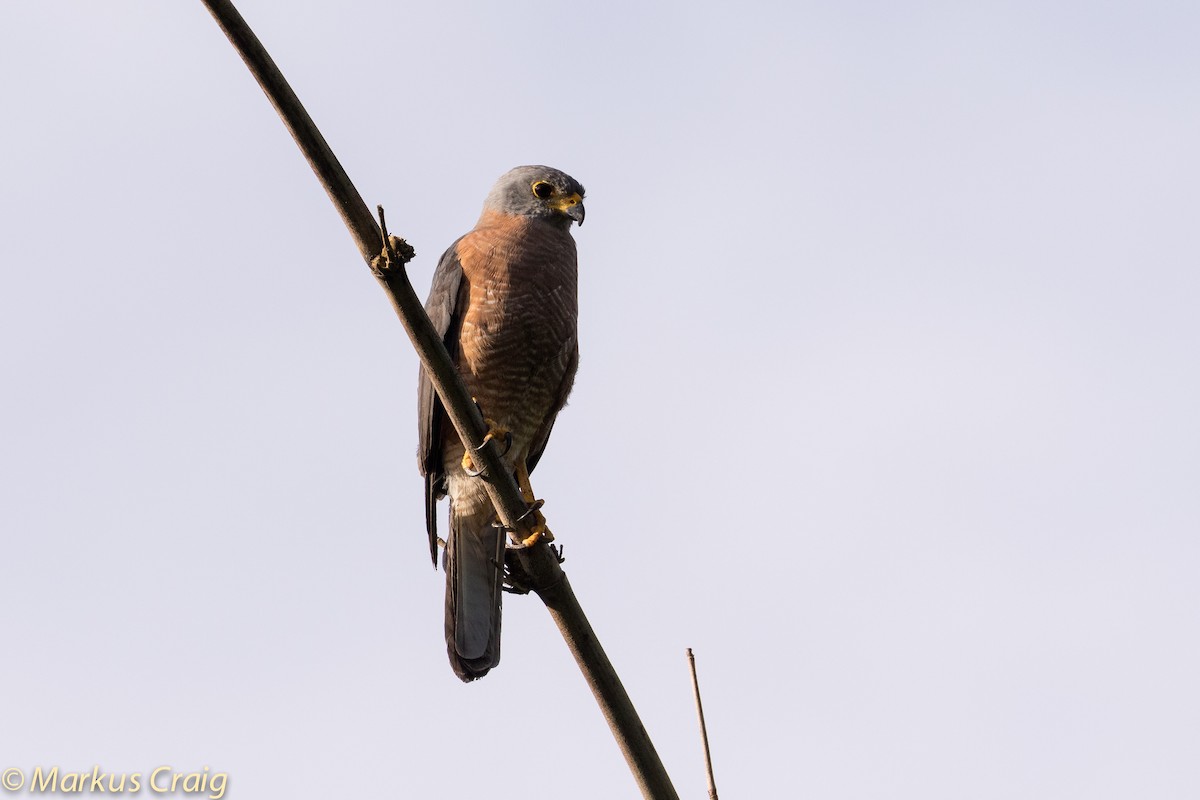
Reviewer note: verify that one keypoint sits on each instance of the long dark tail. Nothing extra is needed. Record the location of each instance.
(474, 579)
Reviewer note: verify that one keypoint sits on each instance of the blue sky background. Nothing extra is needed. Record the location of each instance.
(887, 404)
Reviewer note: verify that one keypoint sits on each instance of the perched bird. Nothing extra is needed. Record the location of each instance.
(504, 299)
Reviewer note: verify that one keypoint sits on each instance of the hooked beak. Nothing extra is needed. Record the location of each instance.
(572, 206)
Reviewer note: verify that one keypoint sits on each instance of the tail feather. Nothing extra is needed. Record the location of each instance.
(474, 581)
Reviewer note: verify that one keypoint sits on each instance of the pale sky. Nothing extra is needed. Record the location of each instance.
(887, 406)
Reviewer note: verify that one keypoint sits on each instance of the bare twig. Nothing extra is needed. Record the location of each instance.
(539, 564)
(712, 786)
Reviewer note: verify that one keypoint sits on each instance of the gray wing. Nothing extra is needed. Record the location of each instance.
(443, 308)
(542, 437)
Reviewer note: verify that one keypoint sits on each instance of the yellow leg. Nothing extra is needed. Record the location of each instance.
(523, 481)
(538, 530)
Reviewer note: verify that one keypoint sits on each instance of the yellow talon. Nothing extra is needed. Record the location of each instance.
(495, 431)
(538, 531)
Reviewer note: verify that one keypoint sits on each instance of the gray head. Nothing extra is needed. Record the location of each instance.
(537, 191)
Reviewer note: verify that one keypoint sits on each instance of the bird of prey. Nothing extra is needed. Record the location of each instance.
(504, 300)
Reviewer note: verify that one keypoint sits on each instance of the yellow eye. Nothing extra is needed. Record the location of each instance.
(542, 190)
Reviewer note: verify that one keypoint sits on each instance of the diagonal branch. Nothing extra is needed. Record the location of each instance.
(539, 564)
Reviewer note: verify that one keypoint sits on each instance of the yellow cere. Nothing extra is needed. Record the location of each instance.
(563, 203)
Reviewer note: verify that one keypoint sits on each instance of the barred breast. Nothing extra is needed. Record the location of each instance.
(519, 328)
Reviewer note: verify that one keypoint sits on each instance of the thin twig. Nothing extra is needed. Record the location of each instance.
(712, 786)
(538, 562)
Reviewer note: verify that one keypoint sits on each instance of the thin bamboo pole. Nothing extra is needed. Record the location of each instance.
(712, 786)
(539, 563)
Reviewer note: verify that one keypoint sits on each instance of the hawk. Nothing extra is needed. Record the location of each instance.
(504, 299)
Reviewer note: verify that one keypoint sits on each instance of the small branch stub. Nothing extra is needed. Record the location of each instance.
(395, 254)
